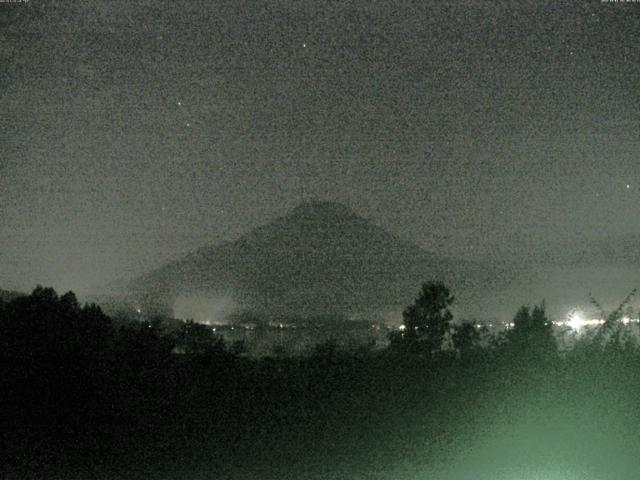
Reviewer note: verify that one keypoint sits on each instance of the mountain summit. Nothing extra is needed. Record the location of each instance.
(319, 259)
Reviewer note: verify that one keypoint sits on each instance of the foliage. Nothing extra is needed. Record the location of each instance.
(428, 319)
(110, 401)
(612, 329)
(45, 325)
(466, 338)
(532, 333)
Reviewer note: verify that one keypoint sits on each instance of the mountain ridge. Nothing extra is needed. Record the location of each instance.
(320, 258)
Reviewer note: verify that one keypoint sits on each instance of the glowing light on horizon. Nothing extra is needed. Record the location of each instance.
(205, 309)
(576, 320)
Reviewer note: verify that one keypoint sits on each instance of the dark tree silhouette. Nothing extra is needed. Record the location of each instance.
(44, 325)
(466, 338)
(612, 329)
(428, 319)
(532, 333)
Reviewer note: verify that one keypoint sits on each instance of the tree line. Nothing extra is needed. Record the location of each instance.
(97, 397)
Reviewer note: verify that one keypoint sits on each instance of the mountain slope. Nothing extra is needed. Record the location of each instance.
(319, 259)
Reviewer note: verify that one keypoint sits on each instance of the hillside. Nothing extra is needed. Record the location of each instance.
(319, 259)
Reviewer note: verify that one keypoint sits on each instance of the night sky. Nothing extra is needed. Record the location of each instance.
(134, 132)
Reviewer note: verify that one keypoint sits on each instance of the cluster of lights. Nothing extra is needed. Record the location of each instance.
(575, 320)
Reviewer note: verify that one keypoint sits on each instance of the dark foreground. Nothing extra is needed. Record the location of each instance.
(116, 403)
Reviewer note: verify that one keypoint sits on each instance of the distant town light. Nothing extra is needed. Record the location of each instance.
(576, 321)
